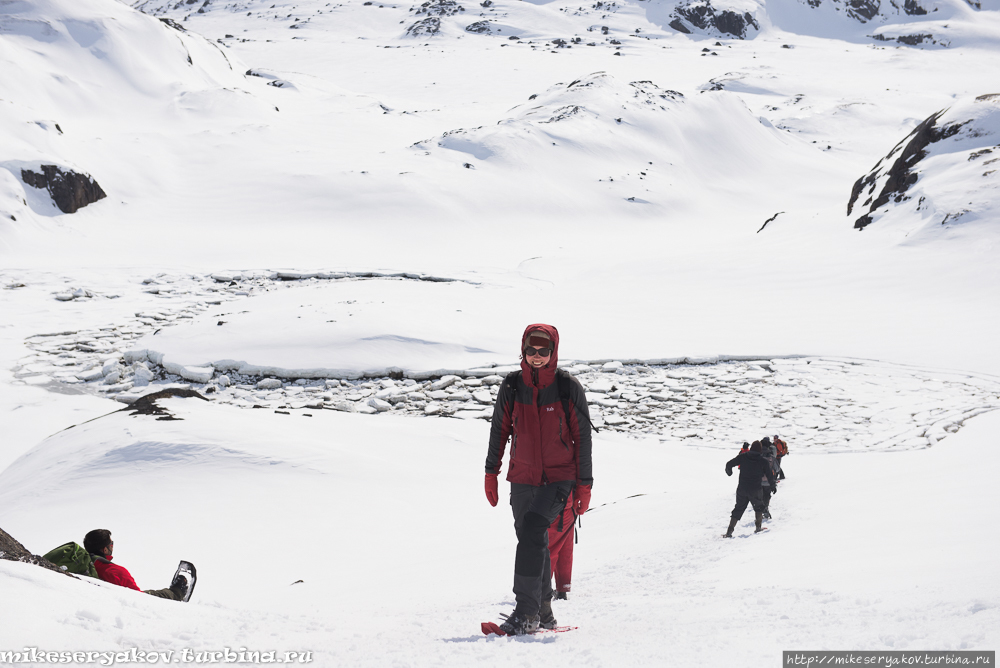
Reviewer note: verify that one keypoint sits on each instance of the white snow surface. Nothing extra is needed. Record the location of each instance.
(314, 196)
(875, 550)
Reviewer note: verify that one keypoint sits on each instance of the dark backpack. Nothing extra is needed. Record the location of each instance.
(563, 383)
(72, 558)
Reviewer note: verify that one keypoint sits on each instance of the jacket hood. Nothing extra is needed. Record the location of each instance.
(547, 374)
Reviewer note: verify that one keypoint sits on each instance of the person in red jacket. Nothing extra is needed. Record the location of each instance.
(561, 535)
(543, 412)
(101, 548)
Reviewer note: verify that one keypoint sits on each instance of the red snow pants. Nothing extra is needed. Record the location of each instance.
(561, 546)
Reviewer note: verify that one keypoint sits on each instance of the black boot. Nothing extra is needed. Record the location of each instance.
(732, 525)
(759, 519)
(546, 619)
(180, 587)
(519, 624)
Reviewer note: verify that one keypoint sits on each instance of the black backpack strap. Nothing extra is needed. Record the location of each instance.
(564, 380)
(510, 386)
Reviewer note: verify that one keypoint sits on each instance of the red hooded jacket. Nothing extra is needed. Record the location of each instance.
(546, 444)
(114, 573)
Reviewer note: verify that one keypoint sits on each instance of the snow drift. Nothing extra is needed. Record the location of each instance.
(76, 70)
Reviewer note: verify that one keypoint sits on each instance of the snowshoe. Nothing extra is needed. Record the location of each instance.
(519, 624)
(184, 580)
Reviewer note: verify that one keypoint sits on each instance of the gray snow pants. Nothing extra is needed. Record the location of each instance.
(535, 508)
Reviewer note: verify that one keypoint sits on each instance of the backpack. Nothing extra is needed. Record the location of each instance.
(782, 447)
(563, 381)
(72, 558)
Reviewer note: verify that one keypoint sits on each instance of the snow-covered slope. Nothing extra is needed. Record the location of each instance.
(368, 512)
(942, 180)
(79, 78)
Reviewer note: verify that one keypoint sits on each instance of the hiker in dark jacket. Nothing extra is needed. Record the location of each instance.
(550, 460)
(748, 491)
(769, 453)
(101, 548)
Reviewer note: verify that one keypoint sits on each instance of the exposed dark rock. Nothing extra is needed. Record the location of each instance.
(913, 8)
(425, 27)
(69, 190)
(768, 221)
(863, 222)
(679, 26)
(173, 24)
(913, 40)
(439, 8)
(901, 162)
(862, 10)
(701, 15)
(146, 405)
(12, 550)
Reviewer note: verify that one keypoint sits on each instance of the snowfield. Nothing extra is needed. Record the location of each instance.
(867, 550)
(333, 220)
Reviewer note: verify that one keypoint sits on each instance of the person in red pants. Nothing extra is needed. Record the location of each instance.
(561, 535)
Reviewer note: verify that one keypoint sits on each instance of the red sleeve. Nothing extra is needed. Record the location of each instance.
(118, 575)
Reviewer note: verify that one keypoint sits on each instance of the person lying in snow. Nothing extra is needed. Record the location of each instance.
(752, 467)
(100, 546)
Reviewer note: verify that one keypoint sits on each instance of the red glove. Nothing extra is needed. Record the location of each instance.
(492, 494)
(582, 498)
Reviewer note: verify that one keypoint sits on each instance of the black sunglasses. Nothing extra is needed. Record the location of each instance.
(531, 352)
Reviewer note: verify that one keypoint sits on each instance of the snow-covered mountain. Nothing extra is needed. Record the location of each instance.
(945, 165)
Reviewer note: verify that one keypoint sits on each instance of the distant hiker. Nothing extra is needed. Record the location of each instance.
(561, 535)
(782, 451)
(752, 467)
(100, 546)
(544, 411)
(769, 487)
(745, 448)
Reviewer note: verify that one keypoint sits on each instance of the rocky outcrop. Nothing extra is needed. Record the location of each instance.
(896, 171)
(479, 28)
(700, 15)
(862, 10)
(973, 128)
(910, 40)
(11, 550)
(425, 27)
(433, 10)
(438, 8)
(70, 191)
